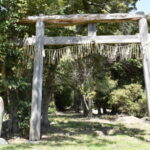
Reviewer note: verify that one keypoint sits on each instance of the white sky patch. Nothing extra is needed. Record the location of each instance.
(143, 5)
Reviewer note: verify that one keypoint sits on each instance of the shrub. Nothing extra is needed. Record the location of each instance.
(130, 100)
(102, 94)
(51, 108)
(23, 117)
(63, 99)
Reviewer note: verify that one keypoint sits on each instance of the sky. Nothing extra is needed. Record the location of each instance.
(143, 5)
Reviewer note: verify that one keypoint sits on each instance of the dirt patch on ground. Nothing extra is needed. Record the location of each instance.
(129, 120)
(18, 140)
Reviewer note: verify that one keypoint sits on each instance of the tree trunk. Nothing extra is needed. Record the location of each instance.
(90, 109)
(1, 114)
(114, 110)
(13, 123)
(47, 96)
(104, 110)
(45, 103)
(87, 107)
(99, 110)
(77, 101)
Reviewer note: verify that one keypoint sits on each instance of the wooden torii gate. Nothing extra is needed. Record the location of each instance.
(68, 20)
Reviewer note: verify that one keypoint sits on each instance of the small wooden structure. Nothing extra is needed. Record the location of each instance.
(68, 20)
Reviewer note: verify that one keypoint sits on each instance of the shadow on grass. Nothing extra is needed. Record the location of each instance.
(60, 141)
(71, 130)
(82, 127)
(16, 147)
(71, 141)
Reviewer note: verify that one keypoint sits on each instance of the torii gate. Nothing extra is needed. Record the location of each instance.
(68, 20)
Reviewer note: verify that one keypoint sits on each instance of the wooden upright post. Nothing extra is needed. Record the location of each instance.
(143, 29)
(35, 122)
(91, 29)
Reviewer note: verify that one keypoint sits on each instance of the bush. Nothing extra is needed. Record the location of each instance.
(51, 108)
(63, 99)
(23, 117)
(130, 100)
(102, 94)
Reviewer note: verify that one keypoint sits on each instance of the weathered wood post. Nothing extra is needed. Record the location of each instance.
(91, 29)
(1, 114)
(35, 122)
(143, 29)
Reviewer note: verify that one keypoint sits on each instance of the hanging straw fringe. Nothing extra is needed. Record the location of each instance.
(112, 52)
(29, 52)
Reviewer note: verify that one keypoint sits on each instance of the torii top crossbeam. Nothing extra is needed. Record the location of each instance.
(69, 20)
(75, 19)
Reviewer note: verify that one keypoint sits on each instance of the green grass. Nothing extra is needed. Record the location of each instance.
(72, 132)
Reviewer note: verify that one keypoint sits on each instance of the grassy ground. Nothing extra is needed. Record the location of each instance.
(72, 132)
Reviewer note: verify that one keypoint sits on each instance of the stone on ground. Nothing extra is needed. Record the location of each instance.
(99, 133)
(3, 141)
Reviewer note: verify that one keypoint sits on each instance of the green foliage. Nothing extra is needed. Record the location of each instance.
(63, 99)
(23, 117)
(15, 78)
(102, 94)
(129, 71)
(52, 108)
(130, 100)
